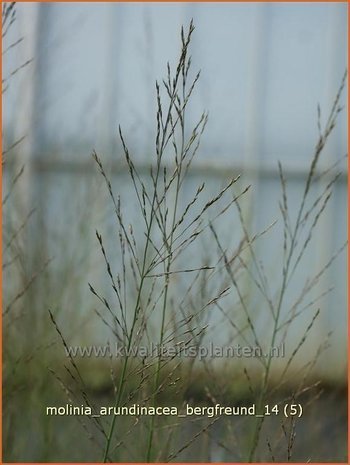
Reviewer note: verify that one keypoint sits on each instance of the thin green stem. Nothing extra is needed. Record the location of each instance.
(136, 311)
(259, 421)
(169, 260)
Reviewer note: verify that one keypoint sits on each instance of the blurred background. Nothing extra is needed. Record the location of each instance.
(265, 69)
